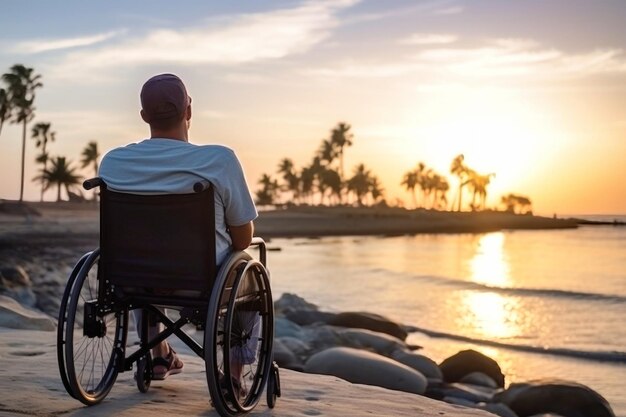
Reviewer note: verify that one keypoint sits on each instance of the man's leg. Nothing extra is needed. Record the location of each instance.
(165, 360)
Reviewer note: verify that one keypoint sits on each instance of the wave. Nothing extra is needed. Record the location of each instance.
(601, 356)
(538, 292)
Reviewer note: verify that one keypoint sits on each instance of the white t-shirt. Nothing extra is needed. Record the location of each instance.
(168, 166)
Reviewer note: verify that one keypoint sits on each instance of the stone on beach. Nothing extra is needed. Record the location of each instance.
(465, 362)
(420, 363)
(15, 316)
(566, 398)
(369, 321)
(380, 343)
(362, 367)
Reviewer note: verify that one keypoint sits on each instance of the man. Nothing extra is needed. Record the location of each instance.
(167, 163)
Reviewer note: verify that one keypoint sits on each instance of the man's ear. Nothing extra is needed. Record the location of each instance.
(188, 113)
(143, 116)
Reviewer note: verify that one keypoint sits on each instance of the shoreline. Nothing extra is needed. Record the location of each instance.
(300, 221)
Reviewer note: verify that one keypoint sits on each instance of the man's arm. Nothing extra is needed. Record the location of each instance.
(241, 235)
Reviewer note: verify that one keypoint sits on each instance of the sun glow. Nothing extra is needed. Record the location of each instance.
(489, 265)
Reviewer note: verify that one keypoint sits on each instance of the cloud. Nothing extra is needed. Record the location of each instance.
(492, 58)
(428, 39)
(41, 45)
(449, 10)
(240, 39)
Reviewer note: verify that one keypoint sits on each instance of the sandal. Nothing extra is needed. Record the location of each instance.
(164, 367)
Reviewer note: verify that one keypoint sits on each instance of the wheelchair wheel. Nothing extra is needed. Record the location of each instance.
(273, 386)
(239, 335)
(143, 376)
(89, 344)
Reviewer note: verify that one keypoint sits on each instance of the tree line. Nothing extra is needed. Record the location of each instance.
(17, 99)
(322, 182)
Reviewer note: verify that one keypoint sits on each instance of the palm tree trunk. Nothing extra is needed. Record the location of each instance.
(23, 158)
(58, 192)
(460, 196)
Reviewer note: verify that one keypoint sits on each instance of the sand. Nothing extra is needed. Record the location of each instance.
(30, 385)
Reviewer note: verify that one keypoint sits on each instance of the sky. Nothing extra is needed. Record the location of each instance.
(533, 91)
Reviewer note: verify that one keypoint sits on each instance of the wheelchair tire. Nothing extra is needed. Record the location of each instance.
(273, 386)
(143, 376)
(239, 334)
(91, 363)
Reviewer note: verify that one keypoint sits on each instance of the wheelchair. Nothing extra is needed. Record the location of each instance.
(157, 254)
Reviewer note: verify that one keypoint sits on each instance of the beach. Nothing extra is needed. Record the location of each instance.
(46, 246)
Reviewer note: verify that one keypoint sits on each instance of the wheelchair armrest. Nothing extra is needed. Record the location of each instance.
(92, 183)
(258, 241)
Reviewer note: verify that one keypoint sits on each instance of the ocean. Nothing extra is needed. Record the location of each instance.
(546, 304)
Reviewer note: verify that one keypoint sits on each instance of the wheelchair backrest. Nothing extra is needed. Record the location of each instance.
(158, 241)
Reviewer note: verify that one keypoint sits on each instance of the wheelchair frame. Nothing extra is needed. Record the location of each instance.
(233, 305)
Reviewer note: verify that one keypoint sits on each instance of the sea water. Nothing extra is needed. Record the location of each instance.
(547, 304)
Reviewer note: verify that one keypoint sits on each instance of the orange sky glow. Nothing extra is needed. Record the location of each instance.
(533, 92)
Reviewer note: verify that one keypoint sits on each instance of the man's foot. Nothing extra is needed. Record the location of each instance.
(164, 367)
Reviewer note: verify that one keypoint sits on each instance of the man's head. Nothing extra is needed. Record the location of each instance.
(164, 102)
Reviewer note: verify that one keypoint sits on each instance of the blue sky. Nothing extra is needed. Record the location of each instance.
(526, 89)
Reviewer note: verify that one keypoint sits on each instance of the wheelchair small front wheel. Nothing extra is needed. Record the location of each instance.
(90, 344)
(143, 376)
(273, 386)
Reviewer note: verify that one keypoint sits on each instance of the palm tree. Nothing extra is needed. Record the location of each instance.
(42, 134)
(90, 156)
(375, 189)
(514, 202)
(292, 181)
(360, 183)
(61, 174)
(459, 169)
(327, 152)
(22, 85)
(410, 182)
(329, 179)
(340, 138)
(5, 107)
(268, 194)
(307, 180)
(479, 184)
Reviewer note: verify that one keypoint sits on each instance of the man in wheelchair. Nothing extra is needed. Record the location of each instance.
(167, 163)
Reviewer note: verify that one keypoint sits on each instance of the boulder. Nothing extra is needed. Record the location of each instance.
(321, 337)
(308, 317)
(286, 328)
(298, 347)
(369, 321)
(465, 362)
(420, 363)
(14, 277)
(565, 398)
(292, 302)
(380, 343)
(362, 367)
(15, 316)
(284, 357)
(480, 379)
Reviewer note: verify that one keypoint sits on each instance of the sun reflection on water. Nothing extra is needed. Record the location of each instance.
(489, 314)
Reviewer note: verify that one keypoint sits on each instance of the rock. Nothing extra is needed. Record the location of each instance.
(368, 368)
(298, 347)
(498, 409)
(494, 408)
(292, 302)
(568, 399)
(480, 379)
(420, 363)
(284, 357)
(15, 316)
(14, 277)
(466, 392)
(467, 361)
(380, 343)
(308, 317)
(369, 321)
(286, 328)
(321, 337)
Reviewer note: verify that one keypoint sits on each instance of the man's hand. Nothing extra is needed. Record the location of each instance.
(241, 235)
